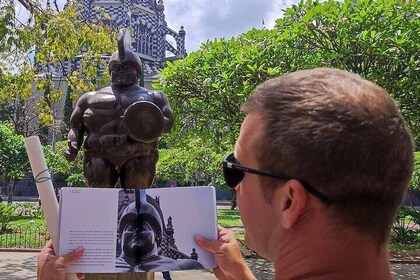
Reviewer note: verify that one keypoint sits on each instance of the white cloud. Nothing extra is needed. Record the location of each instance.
(277, 11)
(207, 19)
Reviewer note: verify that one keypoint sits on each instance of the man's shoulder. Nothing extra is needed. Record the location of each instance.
(157, 95)
(104, 90)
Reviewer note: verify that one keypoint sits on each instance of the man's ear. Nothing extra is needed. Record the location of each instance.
(293, 200)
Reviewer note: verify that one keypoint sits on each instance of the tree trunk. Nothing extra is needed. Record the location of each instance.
(409, 198)
(10, 188)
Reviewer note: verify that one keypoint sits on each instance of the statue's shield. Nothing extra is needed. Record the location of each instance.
(143, 121)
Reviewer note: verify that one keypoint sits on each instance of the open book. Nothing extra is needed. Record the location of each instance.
(145, 230)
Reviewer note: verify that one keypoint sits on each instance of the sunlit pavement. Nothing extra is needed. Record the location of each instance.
(18, 265)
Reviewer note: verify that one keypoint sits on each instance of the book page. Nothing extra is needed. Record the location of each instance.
(144, 230)
(88, 218)
(192, 211)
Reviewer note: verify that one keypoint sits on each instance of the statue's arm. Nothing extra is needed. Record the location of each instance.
(75, 136)
(162, 102)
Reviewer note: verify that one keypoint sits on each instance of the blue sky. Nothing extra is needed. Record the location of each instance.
(210, 19)
(207, 19)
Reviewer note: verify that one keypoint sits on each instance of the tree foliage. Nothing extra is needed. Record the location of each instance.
(194, 161)
(378, 40)
(71, 172)
(14, 161)
(30, 52)
(207, 88)
(415, 180)
(13, 158)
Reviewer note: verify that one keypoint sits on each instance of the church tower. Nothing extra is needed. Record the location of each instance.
(148, 28)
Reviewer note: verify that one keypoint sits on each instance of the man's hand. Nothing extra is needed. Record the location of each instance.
(71, 151)
(231, 264)
(51, 267)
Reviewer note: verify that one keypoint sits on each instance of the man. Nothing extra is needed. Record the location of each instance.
(52, 267)
(141, 232)
(123, 123)
(320, 168)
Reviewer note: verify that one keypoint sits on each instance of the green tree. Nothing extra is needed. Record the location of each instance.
(53, 39)
(193, 162)
(71, 172)
(68, 109)
(207, 88)
(13, 158)
(378, 40)
(415, 180)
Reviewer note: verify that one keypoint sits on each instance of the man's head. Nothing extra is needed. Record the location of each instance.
(124, 74)
(124, 65)
(341, 134)
(140, 229)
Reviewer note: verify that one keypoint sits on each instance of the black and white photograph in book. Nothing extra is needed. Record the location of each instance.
(145, 241)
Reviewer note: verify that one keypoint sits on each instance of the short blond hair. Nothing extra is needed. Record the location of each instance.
(342, 134)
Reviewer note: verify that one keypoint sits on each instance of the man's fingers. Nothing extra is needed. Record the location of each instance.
(81, 276)
(48, 247)
(210, 245)
(220, 228)
(49, 244)
(225, 235)
(71, 257)
(218, 273)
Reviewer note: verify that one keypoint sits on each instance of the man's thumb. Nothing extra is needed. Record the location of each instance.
(71, 257)
(208, 244)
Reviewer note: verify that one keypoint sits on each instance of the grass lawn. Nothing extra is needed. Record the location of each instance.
(229, 218)
(24, 232)
(226, 218)
(397, 246)
(24, 235)
(27, 221)
(35, 228)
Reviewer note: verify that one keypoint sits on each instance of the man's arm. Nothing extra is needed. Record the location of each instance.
(231, 264)
(75, 136)
(162, 102)
(51, 266)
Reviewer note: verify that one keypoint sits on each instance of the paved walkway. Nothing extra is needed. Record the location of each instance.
(17, 266)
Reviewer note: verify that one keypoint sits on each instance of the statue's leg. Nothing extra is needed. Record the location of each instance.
(138, 172)
(99, 172)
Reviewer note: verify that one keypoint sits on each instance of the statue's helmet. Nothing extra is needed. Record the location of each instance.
(146, 213)
(124, 55)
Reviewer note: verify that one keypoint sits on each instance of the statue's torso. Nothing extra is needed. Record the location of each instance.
(103, 121)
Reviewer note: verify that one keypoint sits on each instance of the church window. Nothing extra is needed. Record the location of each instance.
(143, 40)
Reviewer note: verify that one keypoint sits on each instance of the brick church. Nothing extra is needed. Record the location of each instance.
(152, 39)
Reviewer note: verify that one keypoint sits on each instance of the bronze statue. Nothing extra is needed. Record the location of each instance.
(122, 123)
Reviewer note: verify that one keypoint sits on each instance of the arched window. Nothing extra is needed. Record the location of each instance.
(143, 40)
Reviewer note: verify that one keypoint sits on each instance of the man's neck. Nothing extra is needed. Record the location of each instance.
(332, 257)
(121, 89)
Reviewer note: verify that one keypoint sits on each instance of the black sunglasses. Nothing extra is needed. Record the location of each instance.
(234, 173)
